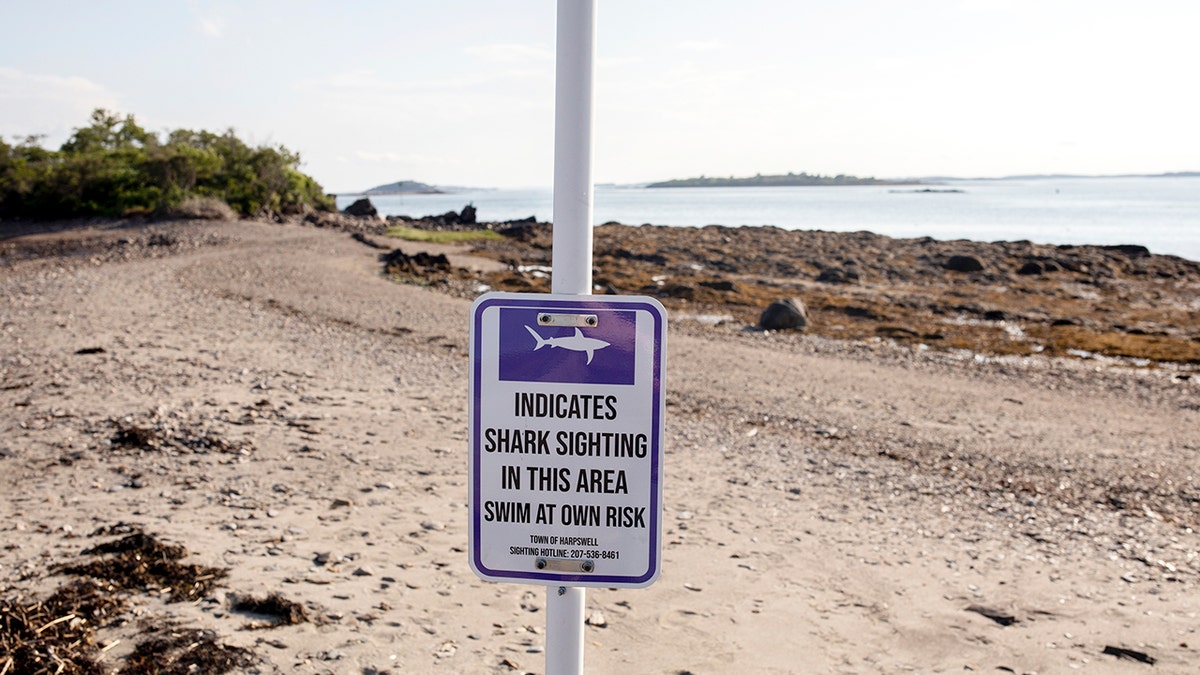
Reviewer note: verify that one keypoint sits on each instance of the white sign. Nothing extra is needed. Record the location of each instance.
(566, 407)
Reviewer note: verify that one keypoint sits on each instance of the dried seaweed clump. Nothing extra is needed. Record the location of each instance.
(56, 635)
(165, 432)
(139, 561)
(177, 651)
(278, 609)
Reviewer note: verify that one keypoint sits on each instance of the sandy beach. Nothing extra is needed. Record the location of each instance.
(260, 395)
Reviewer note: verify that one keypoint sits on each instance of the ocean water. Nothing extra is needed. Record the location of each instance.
(1161, 213)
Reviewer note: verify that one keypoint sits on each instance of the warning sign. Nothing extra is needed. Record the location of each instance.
(566, 409)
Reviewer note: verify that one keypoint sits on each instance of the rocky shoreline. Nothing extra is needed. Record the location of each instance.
(1001, 298)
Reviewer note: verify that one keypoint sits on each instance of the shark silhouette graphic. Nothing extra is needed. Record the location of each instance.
(576, 343)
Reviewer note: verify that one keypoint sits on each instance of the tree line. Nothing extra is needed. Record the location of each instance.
(113, 167)
(778, 180)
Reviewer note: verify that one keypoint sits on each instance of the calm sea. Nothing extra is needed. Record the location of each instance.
(1162, 214)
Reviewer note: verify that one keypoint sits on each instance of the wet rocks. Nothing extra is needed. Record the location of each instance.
(398, 262)
(785, 314)
(361, 208)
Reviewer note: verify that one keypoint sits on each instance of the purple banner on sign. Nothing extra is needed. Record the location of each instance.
(604, 354)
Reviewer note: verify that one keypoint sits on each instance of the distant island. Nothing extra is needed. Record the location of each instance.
(404, 187)
(781, 180)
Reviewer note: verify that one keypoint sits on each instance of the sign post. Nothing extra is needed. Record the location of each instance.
(575, 50)
(566, 402)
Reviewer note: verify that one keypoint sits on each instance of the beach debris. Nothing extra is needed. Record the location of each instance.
(139, 561)
(277, 609)
(1131, 654)
(161, 431)
(597, 620)
(998, 615)
(179, 650)
(785, 314)
(56, 634)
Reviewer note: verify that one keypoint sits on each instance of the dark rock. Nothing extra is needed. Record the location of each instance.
(523, 230)
(998, 615)
(1032, 267)
(1131, 654)
(683, 291)
(361, 208)
(1129, 250)
(362, 239)
(398, 262)
(722, 285)
(839, 275)
(861, 312)
(963, 263)
(994, 315)
(786, 314)
(467, 217)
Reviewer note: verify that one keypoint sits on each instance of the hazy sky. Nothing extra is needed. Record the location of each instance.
(461, 92)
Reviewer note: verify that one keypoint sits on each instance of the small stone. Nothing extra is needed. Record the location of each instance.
(597, 619)
(364, 571)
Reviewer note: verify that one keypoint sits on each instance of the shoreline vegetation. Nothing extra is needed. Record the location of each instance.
(114, 168)
(779, 180)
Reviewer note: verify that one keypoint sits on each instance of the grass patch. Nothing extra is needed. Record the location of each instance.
(435, 237)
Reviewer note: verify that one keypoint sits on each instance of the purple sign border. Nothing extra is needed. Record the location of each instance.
(584, 303)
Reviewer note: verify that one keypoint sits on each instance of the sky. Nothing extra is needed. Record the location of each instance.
(461, 92)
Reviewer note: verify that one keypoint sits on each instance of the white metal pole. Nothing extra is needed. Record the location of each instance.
(564, 630)
(571, 257)
(572, 252)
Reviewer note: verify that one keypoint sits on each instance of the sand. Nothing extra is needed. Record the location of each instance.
(829, 507)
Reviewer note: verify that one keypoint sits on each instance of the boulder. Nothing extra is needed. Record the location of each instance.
(361, 208)
(839, 275)
(785, 314)
(963, 263)
(467, 217)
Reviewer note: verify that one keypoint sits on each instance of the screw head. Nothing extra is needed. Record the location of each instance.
(588, 566)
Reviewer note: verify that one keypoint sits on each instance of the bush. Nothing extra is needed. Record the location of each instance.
(203, 208)
(113, 167)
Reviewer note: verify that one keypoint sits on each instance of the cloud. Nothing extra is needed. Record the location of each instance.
(386, 157)
(212, 26)
(511, 54)
(701, 45)
(48, 104)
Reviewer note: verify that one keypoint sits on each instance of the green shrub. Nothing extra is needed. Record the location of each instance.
(113, 167)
